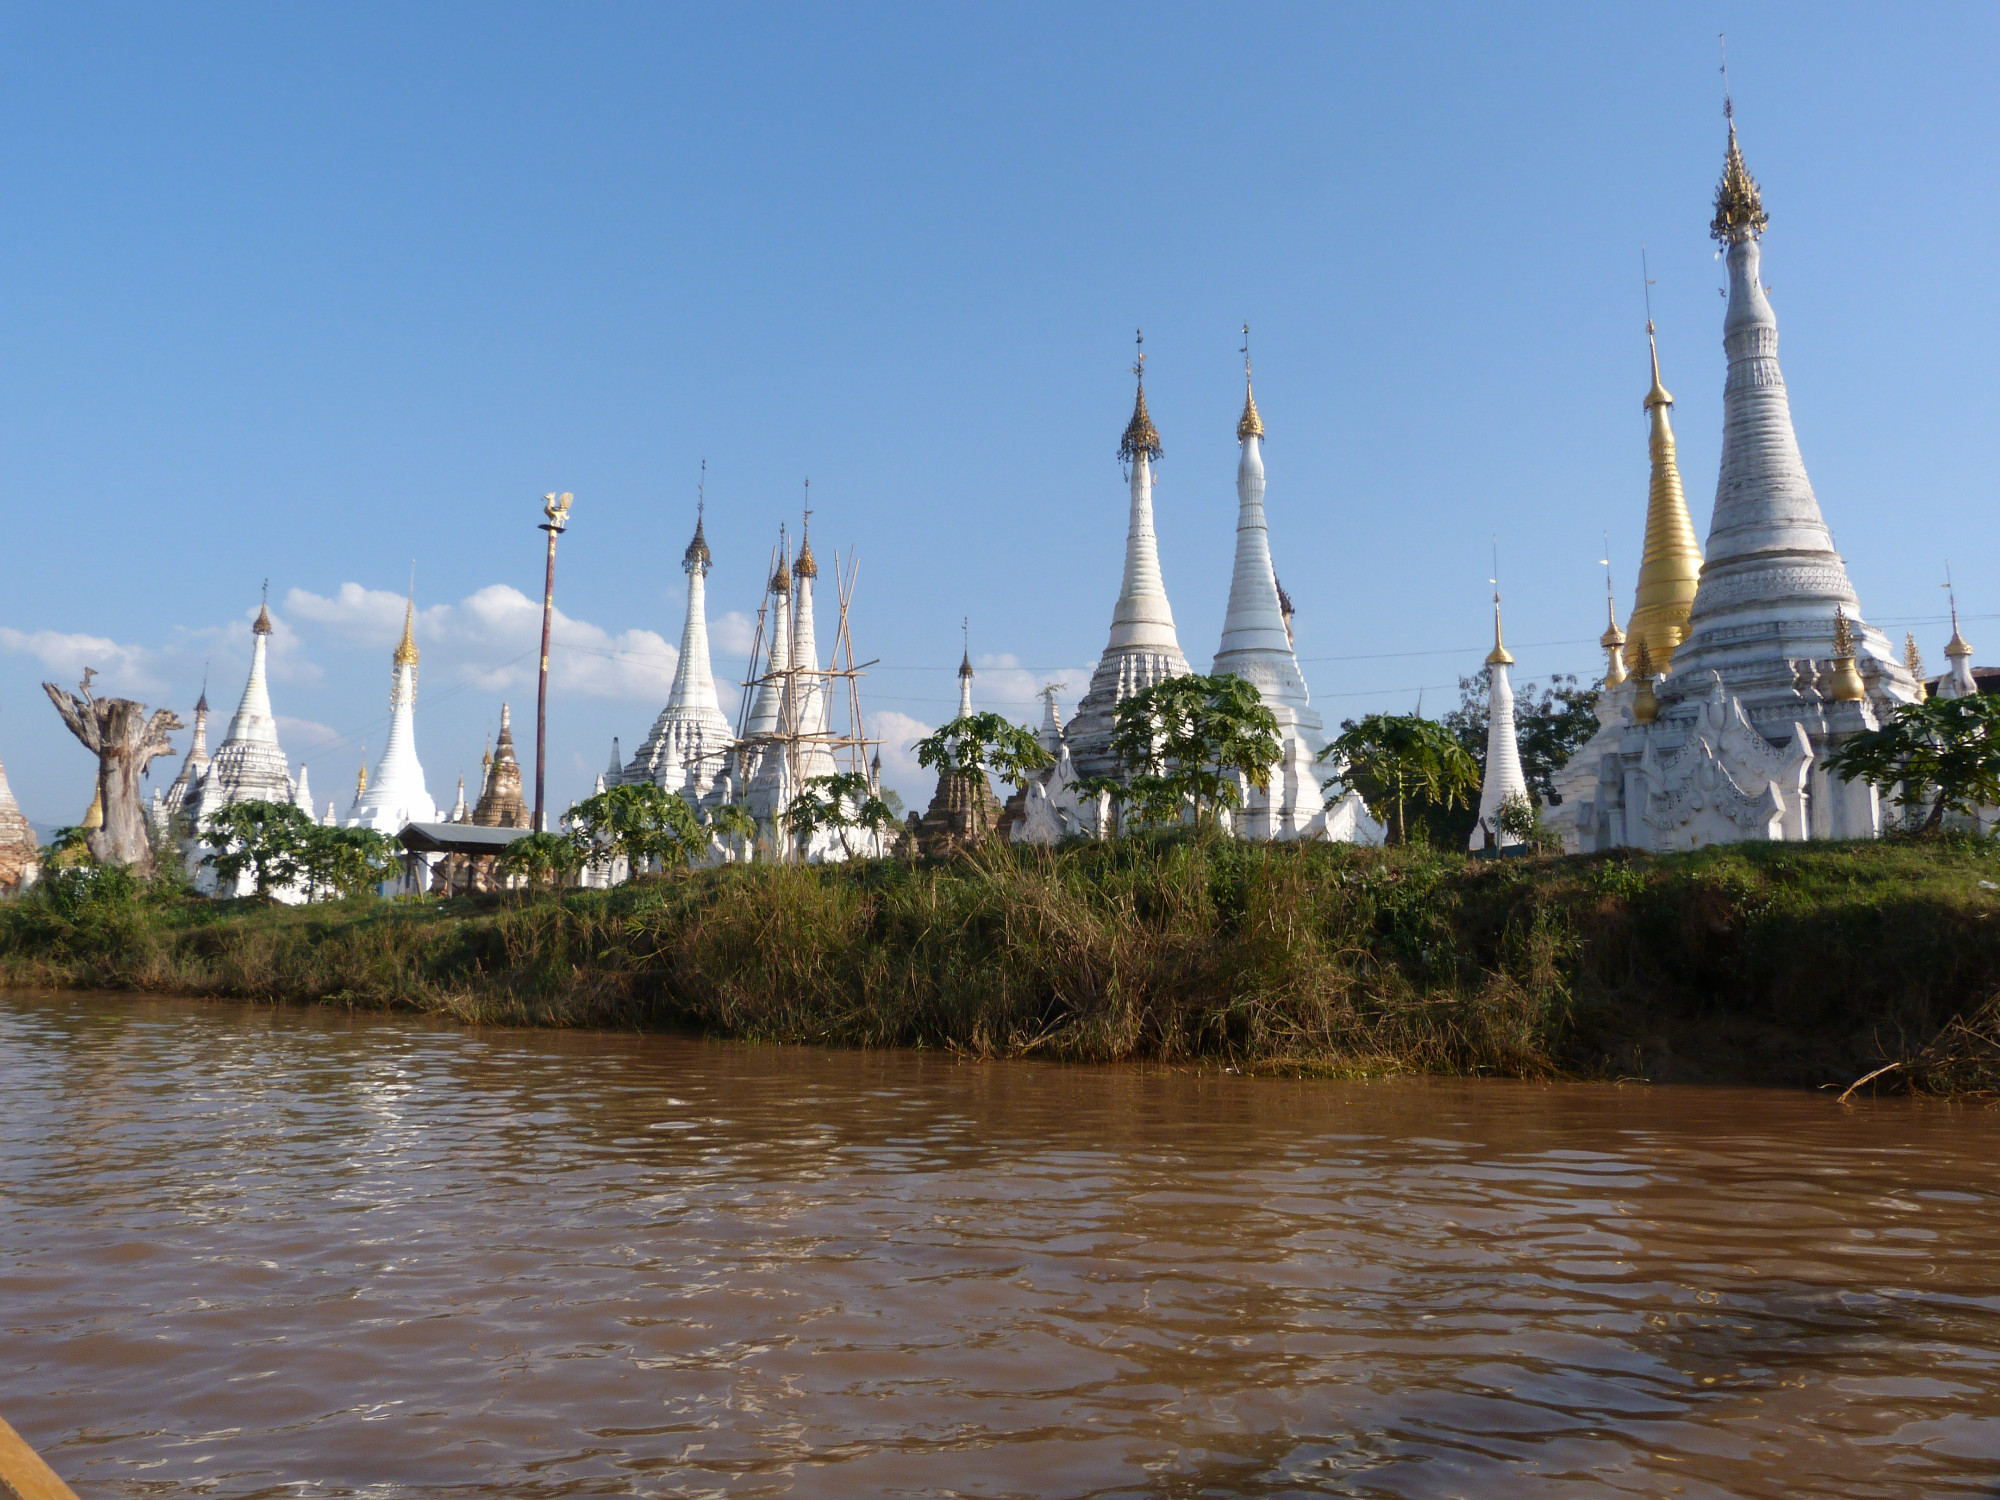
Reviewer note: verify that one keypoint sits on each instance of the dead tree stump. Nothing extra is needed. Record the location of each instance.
(125, 741)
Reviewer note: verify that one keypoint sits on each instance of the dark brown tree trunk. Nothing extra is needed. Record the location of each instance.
(125, 741)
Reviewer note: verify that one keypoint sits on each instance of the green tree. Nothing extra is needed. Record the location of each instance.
(1402, 764)
(67, 846)
(844, 803)
(1550, 724)
(1943, 751)
(350, 861)
(979, 743)
(265, 839)
(642, 822)
(543, 858)
(1191, 742)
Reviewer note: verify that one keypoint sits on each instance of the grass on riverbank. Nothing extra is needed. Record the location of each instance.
(1768, 963)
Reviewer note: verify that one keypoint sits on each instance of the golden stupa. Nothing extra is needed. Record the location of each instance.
(1670, 568)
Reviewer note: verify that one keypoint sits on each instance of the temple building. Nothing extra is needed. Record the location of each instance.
(1503, 782)
(20, 855)
(1257, 646)
(1143, 648)
(963, 810)
(500, 805)
(395, 795)
(687, 750)
(1726, 738)
(249, 765)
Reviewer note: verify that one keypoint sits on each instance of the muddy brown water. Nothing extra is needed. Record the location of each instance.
(283, 1252)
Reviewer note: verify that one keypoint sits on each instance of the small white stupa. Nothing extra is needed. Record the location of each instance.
(1504, 781)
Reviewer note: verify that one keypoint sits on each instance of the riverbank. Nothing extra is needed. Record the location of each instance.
(1778, 964)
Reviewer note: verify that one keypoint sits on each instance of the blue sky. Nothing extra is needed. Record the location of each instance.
(305, 295)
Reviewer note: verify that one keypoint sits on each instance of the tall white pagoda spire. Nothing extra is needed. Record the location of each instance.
(1772, 581)
(770, 693)
(1504, 780)
(1256, 643)
(196, 764)
(396, 794)
(684, 750)
(808, 714)
(249, 765)
(1143, 648)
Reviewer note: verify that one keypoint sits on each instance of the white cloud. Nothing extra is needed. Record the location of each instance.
(491, 639)
(734, 633)
(123, 669)
(899, 734)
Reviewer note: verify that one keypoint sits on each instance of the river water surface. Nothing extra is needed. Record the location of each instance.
(256, 1252)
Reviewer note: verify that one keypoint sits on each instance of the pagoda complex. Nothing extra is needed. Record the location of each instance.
(1738, 673)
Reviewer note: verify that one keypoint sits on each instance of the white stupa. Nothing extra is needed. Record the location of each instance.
(395, 794)
(686, 751)
(1143, 648)
(1257, 646)
(249, 765)
(1504, 781)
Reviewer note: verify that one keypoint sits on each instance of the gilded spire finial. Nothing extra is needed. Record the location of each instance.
(1250, 424)
(1958, 645)
(1499, 655)
(1739, 208)
(1613, 639)
(805, 567)
(697, 554)
(781, 580)
(965, 663)
(1141, 438)
(406, 648)
(1657, 395)
(263, 625)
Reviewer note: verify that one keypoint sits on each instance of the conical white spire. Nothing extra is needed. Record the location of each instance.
(1772, 581)
(196, 764)
(1143, 648)
(249, 765)
(1256, 646)
(965, 685)
(808, 714)
(254, 722)
(770, 691)
(684, 750)
(396, 793)
(1504, 780)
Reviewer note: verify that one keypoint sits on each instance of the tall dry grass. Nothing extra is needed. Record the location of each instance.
(1775, 963)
